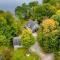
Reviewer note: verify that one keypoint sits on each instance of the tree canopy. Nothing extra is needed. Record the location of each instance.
(48, 36)
(27, 39)
(8, 27)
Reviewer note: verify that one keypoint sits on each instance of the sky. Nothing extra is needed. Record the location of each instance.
(10, 5)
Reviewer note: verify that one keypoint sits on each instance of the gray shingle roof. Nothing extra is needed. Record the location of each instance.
(32, 25)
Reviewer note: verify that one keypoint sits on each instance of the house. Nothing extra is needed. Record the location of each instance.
(33, 25)
(17, 42)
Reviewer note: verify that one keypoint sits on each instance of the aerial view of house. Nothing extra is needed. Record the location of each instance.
(29, 29)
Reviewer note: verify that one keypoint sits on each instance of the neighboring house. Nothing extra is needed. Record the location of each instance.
(33, 25)
(17, 42)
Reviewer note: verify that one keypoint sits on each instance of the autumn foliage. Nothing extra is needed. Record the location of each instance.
(48, 36)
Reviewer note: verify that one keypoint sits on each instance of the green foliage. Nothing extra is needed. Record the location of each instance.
(58, 12)
(56, 17)
(34, 3)
(21, 24)
(20, 54)
(22, 11)
(35, 11)
(50, 1)
(27, 38)
(49, 38)
(6, 54)
(8, 27)
(44, 10)
(57, 56)
(55, 3)
(25, 11)
(3, 40)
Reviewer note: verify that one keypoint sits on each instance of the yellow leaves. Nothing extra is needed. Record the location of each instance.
(48, 22)
(26, 32)
(54, 32)
(58, 12)
(49, 25)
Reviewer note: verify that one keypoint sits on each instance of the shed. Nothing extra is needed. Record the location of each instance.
(17, 42)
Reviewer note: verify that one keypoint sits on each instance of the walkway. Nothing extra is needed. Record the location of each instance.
(35, 48)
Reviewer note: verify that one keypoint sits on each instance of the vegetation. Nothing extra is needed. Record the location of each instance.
(23, 56)
(8, 28)
(57, 56)
(35, 11)
(48, 16)
(55, 3)
(48, 36)
(56, 17)
(27, 39)
(5, 53)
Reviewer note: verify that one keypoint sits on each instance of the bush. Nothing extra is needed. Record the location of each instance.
(58, 12)
(57, 56)
(5, 53)
(48, 36)
(27, 39)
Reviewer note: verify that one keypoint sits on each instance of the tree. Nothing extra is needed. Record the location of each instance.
(8, 27)
(43, 10)
(2, 40)
(21, 11)
(25, 11)
(50, 1)
(34, 3)
(55, 3)
(56, 17)
(48, 36)
(27, 39)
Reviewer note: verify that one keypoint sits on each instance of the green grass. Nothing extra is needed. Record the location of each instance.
(20, 54)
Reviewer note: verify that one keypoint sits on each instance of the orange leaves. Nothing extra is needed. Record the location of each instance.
(49, 25)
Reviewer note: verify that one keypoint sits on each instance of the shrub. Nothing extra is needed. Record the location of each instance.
(57, 56)
(58, 12)
(6, 54)
(27, 39)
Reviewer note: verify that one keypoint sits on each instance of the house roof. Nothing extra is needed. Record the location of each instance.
(31, 24)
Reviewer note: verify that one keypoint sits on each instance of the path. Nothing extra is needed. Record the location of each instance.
(37, 49)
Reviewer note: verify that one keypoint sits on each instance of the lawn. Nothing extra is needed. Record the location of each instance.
(20, 54)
